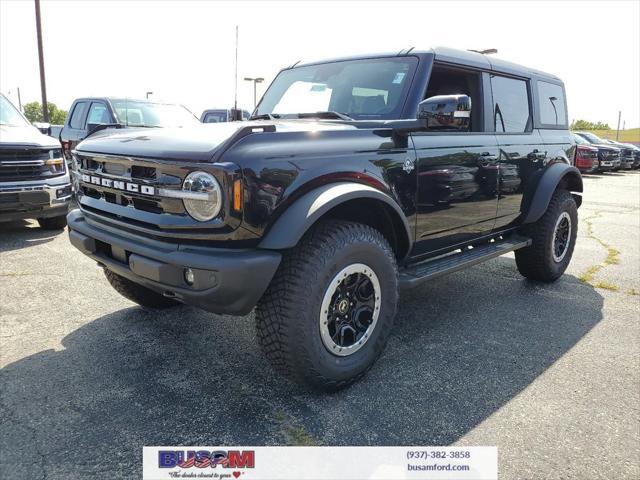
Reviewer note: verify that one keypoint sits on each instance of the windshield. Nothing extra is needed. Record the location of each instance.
(142, 114)
(9, 114)
(215, 116)
(579, 140)
(361, 89)
(592, 138)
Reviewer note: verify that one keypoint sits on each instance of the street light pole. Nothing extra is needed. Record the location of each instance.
(149, 93)
(43, 87)
(255, 82)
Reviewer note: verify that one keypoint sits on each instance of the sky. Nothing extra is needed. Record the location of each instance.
(184, 51)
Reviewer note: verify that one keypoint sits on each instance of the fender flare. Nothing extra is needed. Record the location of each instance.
(289, 228)
(547, 184)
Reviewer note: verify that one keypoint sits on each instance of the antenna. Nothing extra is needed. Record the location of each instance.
(235, 100)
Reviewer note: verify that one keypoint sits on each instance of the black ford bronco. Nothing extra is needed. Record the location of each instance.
(355, 178)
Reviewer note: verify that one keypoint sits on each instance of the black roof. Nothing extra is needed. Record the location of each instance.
(452, 55)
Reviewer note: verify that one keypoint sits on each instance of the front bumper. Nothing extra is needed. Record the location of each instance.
(225, 280)
(20, 200)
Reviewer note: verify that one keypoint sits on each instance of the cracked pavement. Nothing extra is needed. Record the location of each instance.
(548, 373)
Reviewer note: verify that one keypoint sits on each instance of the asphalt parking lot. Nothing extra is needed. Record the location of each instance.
(548, 373)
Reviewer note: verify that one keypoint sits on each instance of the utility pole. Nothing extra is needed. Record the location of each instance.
(235, 100)
(19, 101)
(618, 130)
(149, 93)
(43, 85)
(255, 83)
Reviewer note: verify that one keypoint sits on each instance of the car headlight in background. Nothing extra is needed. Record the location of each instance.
(206, 201)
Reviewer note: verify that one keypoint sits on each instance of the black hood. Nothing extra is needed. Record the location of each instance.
(197, 143)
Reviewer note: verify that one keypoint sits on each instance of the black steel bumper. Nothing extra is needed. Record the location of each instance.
(225, 280)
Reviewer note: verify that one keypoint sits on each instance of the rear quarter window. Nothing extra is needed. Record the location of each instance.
(551, 104)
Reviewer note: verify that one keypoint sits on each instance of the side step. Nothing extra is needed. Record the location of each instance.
(452, 262)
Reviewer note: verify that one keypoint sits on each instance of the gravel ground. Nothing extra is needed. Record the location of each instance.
(548, 373)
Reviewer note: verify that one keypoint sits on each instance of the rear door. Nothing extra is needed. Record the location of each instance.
(522, 150)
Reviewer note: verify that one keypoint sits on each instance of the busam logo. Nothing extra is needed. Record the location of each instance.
(206, 459)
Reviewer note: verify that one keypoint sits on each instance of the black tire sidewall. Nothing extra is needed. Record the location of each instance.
(325, 363)
(567, 204)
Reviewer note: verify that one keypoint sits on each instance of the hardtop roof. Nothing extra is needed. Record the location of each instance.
(451, 55)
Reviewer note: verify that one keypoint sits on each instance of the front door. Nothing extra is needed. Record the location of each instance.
(457, 171)
(457, 191)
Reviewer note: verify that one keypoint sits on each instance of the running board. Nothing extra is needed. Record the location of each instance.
(430, 269)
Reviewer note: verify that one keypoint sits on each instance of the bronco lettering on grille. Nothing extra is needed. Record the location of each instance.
(119, 185)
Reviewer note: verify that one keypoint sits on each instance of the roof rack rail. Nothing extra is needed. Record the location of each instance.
(404, 51)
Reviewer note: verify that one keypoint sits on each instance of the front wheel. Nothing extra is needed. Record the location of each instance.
(329, 310)
(553, 240)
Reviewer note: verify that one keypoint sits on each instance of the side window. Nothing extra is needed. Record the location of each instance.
(451, 81)
(98, 113)
(551, 104)
(511, 112)
(77, 116)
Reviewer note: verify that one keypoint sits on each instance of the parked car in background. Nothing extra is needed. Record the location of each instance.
(628, 154)
(586, 155)
(221, 115)
(608, 155)
(89, 114)
(34, 178)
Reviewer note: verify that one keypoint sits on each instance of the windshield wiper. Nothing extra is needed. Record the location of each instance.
(265, 116)
(327, 114)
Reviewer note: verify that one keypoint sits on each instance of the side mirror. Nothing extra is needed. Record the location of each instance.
(96, 127)
(45, 128)
(92, 127)
(446, 112)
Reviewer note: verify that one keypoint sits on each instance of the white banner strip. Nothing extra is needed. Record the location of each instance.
(321, 463)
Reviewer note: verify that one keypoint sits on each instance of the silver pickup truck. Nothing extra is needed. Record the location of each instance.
(34, 178)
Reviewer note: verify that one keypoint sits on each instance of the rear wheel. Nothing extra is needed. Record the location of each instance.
(329, 310)
(53, 223)
(553, 240)
(137, 293)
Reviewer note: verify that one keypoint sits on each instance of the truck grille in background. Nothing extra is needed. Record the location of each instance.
(28, 164)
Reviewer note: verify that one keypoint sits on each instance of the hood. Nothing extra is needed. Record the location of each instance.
(26, 136)
(605, 146)
(197, 143)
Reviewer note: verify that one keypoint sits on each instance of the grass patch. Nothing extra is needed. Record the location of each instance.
(295, 435)
(607, 286)
(589, 274)
(612, 256)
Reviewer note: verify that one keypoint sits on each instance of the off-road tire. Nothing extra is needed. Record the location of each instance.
(537, 262)
(53, 223)
(137, 293)
(288, 315)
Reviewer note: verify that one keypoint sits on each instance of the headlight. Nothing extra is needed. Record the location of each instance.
(206, 201)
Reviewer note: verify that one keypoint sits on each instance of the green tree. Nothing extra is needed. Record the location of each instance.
(585, 125)
(33, 112)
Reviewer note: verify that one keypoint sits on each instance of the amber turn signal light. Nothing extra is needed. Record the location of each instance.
(237, 195)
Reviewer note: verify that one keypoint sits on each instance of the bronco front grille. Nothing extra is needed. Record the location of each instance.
(136, 194)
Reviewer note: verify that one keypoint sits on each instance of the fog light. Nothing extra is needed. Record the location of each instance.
(188, 276)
